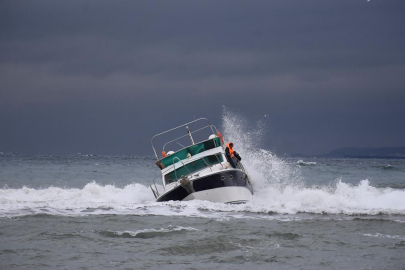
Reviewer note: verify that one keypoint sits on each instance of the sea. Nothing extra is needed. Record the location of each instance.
(84, 211)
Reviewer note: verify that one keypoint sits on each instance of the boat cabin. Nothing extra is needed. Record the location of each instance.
(191, 159)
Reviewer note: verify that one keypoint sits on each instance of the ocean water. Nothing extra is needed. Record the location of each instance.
(98, 212)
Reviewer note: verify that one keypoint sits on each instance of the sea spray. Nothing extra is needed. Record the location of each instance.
(136, 199)
(264, 167)
(279, 189)
(92, 195)
(343, 199)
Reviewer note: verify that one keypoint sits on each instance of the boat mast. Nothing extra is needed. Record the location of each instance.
(189, 134)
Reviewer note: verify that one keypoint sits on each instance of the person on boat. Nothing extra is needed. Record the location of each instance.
(231, 155)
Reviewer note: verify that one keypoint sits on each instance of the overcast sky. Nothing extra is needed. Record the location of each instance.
(103, 77)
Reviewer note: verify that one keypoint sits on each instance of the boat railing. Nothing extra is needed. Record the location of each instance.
(174, 168)
(219, 161)
(185, 165)
(195, 131)
(194, 160)
(189, 133)
(155, 189)
(240, 166)
(205, 162)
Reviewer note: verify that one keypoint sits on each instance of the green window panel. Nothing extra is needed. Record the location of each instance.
(192, 167)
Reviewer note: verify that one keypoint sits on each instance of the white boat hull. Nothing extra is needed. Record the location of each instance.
(225, 186)
(222, 195)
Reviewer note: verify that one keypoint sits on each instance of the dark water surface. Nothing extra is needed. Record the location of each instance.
(97, 212)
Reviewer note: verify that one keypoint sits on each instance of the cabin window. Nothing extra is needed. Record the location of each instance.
(193, 167)
(192, 150)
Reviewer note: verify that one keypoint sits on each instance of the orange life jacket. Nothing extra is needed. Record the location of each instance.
(230, 150)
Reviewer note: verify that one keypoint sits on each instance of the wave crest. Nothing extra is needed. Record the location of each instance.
(91, 196)
(136, 199)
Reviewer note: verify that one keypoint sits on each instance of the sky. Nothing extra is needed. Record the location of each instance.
(103, 77)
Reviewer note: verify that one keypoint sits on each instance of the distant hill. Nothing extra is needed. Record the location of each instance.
(367, 152)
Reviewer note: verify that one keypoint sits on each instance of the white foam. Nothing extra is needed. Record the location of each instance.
(379, 235)
(278, 189)
(152, 230)
(137, 199)
(71, 200)
(400, 221)
(308, 163)
(264, 167)
(341, 199)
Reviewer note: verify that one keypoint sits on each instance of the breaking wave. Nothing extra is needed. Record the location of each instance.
(386, 167)
(264, 167)
(92, 198)
(278, 187)
(308, 163)
(136, 199)
(146, 233)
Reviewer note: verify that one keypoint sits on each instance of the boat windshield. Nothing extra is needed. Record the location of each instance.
(192, 167)
(191, 150)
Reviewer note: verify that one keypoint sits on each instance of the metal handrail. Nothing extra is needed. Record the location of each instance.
(174, 167)
(240, 166)
(206, 163)
(153, 147)
(187, 135)
(156, 191)
(219, 161)
(193, 160)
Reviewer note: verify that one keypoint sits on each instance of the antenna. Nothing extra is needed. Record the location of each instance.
(189, 134)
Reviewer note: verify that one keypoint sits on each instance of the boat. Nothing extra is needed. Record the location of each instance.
(198, 170)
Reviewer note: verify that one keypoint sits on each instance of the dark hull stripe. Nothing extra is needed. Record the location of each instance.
(237, 202)
(232, 178)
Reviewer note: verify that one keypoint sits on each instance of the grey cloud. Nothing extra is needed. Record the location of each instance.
(328, 73)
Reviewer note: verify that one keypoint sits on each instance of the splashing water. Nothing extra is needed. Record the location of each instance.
(71, 201)
(265, 168)
(278, 186)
